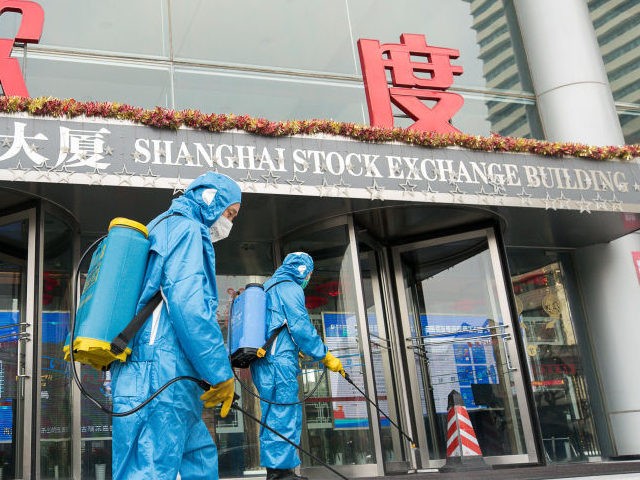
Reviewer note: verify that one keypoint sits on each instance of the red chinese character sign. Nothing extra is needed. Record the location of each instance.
(411, 88)
(29, 32)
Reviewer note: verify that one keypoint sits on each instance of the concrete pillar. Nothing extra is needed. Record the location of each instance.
(611, 296)
(570, 83)
(576, 105)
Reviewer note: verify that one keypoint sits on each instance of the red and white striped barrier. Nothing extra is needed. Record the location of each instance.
(461, 438)
(463, 450)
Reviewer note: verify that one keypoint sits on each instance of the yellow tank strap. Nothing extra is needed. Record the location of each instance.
(125, 222)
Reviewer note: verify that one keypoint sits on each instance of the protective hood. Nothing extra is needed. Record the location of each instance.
(296, 267)
(207, 198)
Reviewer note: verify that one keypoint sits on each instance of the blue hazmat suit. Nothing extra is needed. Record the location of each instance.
(275, 375)
(182, 337)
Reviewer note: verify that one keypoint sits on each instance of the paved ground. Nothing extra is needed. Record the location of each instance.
(618, 470)
(592, 471)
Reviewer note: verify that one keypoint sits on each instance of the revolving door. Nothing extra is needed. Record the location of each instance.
(458, 336)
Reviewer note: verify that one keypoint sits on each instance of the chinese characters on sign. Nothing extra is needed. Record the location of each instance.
(30, 31)
(413, 82)
(87, 151)
(78, 148)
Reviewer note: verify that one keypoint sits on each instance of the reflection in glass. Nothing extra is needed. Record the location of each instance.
(554, 359)
(13, 290)
(338, 429)
(270, 96)
(117, 26)
(104, 81)
(630, 123)
(95, 425)
(487, 114)
(278, 33)
(459, 339)
(617, 26)
(55, 395)
(236, 436)
(380, 342)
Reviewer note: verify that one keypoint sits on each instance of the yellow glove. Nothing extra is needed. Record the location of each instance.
(220, 393)
(332, 363)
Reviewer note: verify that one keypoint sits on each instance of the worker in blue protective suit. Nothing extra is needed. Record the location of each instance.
(275, 374)
(181, 337)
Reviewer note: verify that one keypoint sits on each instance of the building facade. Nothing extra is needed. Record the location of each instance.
(511, 276)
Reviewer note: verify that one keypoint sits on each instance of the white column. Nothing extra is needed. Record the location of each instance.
(576, 105)
(611, 295)
(570, 83)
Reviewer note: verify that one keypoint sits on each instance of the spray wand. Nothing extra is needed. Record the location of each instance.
(235, 406)
(348, 379)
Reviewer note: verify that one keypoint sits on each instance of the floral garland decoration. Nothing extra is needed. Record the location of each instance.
(171, 119)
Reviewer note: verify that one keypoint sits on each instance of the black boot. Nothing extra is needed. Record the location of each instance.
(291, 475)
(276, 473)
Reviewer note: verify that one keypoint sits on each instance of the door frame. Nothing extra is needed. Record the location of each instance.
(23, 433)
(413, 401)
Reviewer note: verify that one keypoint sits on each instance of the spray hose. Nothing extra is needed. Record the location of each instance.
(271, 402)
(235, 406)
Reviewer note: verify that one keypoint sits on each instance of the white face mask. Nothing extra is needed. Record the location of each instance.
(220, 229)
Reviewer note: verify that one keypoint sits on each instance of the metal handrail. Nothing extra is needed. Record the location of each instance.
(460, 340)
(448, 334)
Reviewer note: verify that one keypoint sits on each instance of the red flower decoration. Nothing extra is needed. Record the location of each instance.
(165, 118)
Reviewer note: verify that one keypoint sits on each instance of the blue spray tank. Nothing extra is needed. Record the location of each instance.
(247, 334)
(247, 325)
(111, 293)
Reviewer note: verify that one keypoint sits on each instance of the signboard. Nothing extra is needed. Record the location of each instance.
(458, 358)
(116, 153)
(30, 31)
(420, 73)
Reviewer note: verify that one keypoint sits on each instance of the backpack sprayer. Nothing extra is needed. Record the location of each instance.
(246, 340)
(105, 320)
(247, 334)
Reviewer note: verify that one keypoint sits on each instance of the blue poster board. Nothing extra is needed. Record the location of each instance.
(461, 355)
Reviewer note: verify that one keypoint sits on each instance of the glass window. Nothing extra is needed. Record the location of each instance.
(617, 24)
(238, 263)
(337, 424)
(95, 424)
(279, 33)
(9, 24)
(482, 30)
(487, 114)
(392, 439)
(14, 333)
(55, 395)
(630, 122)
(237, 435)
(117, 26)
(98, 81)
(554, 357)
(461, 344)
(270, 96)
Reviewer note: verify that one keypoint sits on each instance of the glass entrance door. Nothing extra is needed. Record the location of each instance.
(17, 248)
(459, 337)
